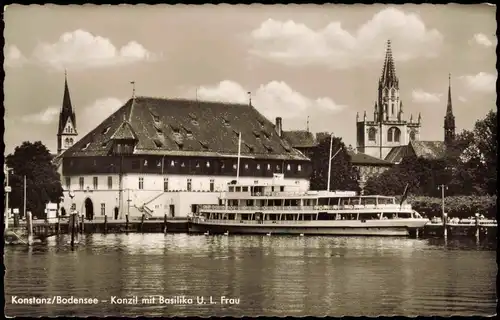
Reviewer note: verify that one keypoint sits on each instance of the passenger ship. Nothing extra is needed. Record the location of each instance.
(279, 209)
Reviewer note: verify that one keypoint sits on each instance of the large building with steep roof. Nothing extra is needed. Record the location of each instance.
(388, 129)
(157, 156)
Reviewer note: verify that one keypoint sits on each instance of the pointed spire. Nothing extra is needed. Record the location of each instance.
(389, 78)
(67, 107)
(419, 117)
(411, 118)
(357, 116)
(449, 109)
(364, 116)
(249, 98)
(449, 119)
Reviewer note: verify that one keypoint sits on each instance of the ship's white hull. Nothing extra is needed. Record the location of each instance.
(402, 227)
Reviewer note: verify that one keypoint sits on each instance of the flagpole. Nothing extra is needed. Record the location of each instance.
(24, 212)
(330, 163)
(239, 153)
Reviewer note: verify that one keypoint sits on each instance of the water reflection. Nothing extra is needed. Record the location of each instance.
(271, 275)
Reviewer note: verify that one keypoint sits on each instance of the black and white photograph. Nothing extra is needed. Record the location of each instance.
(250, 160)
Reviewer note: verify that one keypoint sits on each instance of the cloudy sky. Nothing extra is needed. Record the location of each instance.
(298, 61)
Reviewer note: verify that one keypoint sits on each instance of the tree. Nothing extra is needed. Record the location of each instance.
(43, 183)
(343, 175)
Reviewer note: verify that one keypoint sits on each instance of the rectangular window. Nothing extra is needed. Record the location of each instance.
(165, 184)
(68, 183)
(136, 164)
(95, 183)
(299, 167)
(110, 182)
(103, 209)
(212, 185)
(141, 183)
(81, 182)
(188, 184)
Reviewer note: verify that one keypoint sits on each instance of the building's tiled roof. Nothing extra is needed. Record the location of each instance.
(187, 127)
(429, 149)
(361, 159)
(422, 149)
(396, 154)
(300, 138)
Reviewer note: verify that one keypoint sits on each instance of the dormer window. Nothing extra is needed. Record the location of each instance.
(268, 148)
(106, 130)
(256, 134)
(266, 134)
(204, 145)
(175, 128)
(261, 122)
(158, 143)
(225, 121)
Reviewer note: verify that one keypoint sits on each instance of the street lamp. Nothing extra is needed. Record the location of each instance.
(7, 190)
(442, 187)
(330, 158)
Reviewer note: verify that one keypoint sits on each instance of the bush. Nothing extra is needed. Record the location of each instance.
(457, 206)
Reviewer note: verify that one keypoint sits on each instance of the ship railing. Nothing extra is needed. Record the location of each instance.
(306, 208)
(232, 221)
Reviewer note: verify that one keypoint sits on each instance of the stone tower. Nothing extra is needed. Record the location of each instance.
(388, 129)
(67, 134)
(449, 119)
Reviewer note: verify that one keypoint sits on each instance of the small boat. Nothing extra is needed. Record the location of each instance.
(269, 234)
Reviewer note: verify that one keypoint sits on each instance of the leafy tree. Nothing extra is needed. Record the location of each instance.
(43, 183)
(343, 175)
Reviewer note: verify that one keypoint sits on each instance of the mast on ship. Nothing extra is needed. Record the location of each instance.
(239, 154)
(330, 157)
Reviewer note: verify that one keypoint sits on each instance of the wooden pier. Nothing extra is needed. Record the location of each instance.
(41, 229)
(479, 228)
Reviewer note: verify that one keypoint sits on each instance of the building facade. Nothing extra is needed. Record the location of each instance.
(165, 156)
(367, 166)
(388, 129)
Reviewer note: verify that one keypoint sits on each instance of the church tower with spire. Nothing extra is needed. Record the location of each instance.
(67, 134)
(388, 129)
(449, 119)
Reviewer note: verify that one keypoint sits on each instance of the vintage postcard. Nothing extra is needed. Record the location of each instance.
(250, 160)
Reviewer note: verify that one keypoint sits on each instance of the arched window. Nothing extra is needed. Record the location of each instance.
(392, 107)
(412, 135)
(393, 92)
(70, 141)
(397, 135)
(386, 91)
(393, 134)
(66, 142)
(371, 134)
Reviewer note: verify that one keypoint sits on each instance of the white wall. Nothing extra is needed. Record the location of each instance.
(152, 194)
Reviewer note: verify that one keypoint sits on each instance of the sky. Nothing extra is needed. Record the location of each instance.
(300, 62)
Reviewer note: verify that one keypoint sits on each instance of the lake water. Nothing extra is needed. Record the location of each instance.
(275, 275)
